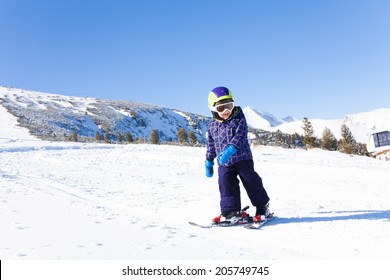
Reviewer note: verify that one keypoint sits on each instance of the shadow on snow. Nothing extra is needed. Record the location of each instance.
(336, 216)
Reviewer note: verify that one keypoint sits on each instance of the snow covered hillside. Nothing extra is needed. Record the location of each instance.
(361, 124)
(263, 120)
(96, 201)
(55, 117)
(9, 128)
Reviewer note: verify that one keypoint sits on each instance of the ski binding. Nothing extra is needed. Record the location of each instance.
(257, 225)
(245, 219)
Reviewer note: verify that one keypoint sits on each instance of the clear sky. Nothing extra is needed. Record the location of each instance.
(304, 58)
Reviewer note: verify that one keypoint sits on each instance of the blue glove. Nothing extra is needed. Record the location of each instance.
(209, 168)
(226, 154)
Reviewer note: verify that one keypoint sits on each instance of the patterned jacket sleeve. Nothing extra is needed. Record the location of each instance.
(210, 154)
(240, 137)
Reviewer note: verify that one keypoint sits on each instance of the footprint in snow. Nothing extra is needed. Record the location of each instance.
(150, 225)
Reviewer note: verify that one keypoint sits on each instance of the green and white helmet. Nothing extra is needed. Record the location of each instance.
(218, 94)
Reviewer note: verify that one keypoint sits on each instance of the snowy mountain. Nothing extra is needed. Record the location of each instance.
(361, 124)
(54, 117)
(263, 120)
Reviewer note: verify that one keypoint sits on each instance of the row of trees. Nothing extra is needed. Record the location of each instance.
(347, 143)
(183, 137)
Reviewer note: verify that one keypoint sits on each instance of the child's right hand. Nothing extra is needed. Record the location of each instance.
(209, 168)
(226, 154)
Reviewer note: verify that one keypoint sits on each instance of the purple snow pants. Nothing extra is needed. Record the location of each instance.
(230, 190)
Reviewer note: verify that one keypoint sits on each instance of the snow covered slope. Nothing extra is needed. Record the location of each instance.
(53, 116)
(361, 124)
(96, 201)
(9, 128)
(263, 120)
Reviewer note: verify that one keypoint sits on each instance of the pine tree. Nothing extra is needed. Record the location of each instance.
(264, 138)
(129, 137)
(279, 140)
(107, 137)
(297, 140)
(361, 149)
(257, 135)
(192, 137)
(119, 136)
(329, 142)
(182, 135)
(74, 137)
(98, 137)
(347, 142)
(308, 138)
(154, 138)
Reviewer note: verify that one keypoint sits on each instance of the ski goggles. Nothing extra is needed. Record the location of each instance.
(222, 107)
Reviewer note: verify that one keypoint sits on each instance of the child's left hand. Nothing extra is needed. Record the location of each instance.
(226, 154)
(209, 168)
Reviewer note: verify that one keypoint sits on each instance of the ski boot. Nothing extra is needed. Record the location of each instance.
(262, 212)
(233, 217)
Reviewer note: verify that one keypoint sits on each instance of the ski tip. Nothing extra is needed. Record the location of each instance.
(199, 225)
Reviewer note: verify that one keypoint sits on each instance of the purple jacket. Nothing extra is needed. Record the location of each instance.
(233, 131)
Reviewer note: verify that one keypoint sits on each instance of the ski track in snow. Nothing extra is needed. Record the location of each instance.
(89, 201)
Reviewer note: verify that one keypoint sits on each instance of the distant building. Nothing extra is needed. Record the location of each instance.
(379, 144)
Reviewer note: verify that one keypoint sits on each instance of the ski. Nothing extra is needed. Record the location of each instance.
(223, 224)
(244, 220)
(199, 225)
(258, 225)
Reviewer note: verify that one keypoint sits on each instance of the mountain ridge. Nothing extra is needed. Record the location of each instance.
(52, 116)
(360, 124)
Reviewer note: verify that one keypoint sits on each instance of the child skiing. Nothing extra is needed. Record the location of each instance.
(228, 142)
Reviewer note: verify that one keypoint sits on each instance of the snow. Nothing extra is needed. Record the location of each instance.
(55, 116)
(9, 129)
(66, 200)
(260, 120)
(361, 125)
(89, 201)
(40, 100)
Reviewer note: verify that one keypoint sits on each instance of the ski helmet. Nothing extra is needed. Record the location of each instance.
(219, 94)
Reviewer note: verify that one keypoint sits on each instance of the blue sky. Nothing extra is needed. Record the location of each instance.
(305, 58)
